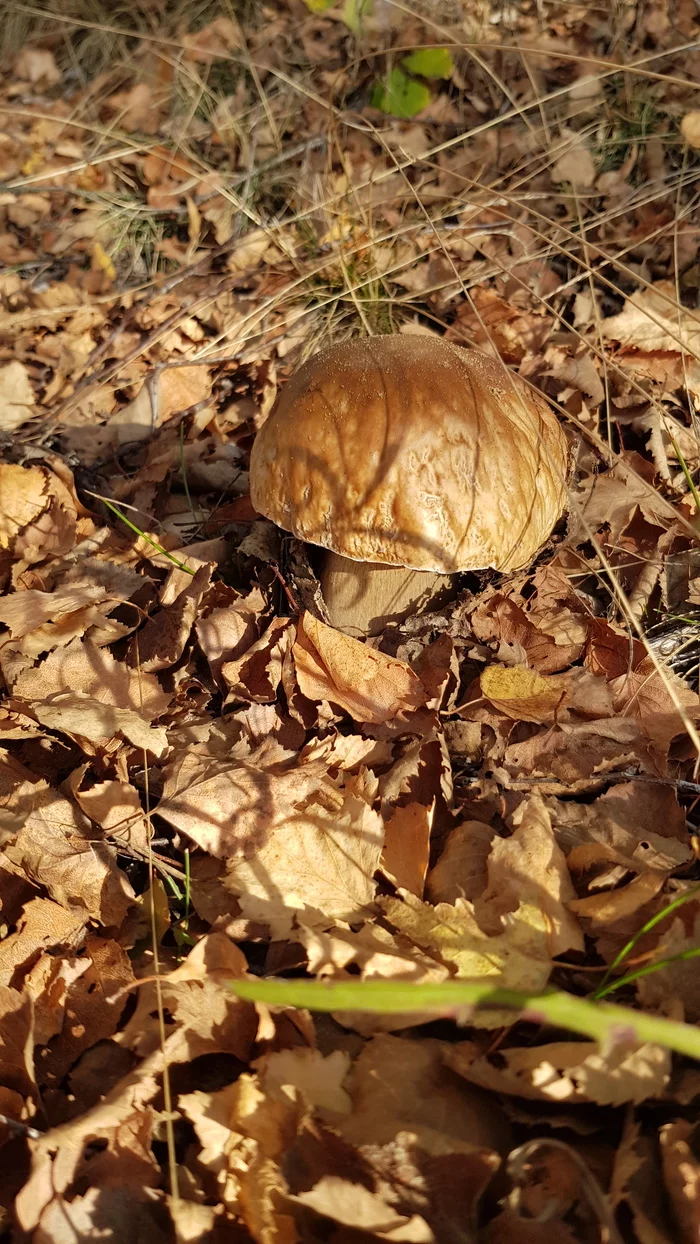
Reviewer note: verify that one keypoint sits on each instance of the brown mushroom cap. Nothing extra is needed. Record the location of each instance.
(410, 451)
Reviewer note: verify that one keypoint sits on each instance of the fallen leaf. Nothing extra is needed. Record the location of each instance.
(256, 675)
(369, 686)
(576, 164)
(35, 65)
(16, 396)
(407, 846)
(460, 871)
(318, 863)
(231, 809)
(566, 1071)
(678, 1159)
(94, 672)
(135, 109)
(88, 720)
(652, 320)
(516, 958)
(522, 694)
(23, 496)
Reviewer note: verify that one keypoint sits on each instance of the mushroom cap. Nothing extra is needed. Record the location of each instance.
(410, 451)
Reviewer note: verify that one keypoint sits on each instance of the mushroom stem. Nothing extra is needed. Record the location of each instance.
(362, 597)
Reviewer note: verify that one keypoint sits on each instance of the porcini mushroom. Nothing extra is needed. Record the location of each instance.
(408, 459)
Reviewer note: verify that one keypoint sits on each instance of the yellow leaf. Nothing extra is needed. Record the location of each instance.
(102, 261)
(32, 164)
(690, 128)
(521, 693)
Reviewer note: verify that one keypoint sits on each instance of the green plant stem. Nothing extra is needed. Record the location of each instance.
(647, 970)
(605, 986)
(153, 543)
(600, 1021)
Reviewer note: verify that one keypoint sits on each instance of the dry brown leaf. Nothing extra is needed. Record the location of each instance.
(576, 164)
(369, 686)
(577, 756)
(162, 641)
(226, 632)
(23, 612)
(566, 1071)
(56, 850)
(374, 950)
(603, 910)
(579, 371)
(116, 808)
(16, 396)
(441, 1115)
(676, 985)
(460, 871)
(407, 846)
(94, 672)
(34, 64)
(93, 1006)
(212, 42)
(651, 319)
(319, 863)
(639, 825)
(256, 675)
(91, 721)
(230, 809)
(17, 1041)
(23, 497)
(529, 867)
(678, 1157)
(42, 926)
(646, 693)
(502, 619)
(354, 1206)
(135, 109)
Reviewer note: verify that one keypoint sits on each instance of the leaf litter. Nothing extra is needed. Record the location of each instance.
(201, 781)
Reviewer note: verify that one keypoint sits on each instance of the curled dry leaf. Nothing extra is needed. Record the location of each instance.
(369, 686)
(162, 640)
(256, 675)
(56, 850)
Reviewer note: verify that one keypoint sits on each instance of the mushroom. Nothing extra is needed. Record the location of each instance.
(408, 459)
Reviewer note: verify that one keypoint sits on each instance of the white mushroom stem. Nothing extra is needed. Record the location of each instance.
(362, 597)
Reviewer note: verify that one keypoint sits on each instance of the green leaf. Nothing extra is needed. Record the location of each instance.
(319, 6)
(400, 96)
(430, 62)
(353, 12)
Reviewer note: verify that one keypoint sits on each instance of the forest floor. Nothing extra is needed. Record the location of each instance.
(304, 938)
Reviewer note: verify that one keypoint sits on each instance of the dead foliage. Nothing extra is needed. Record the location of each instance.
(199, 778)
